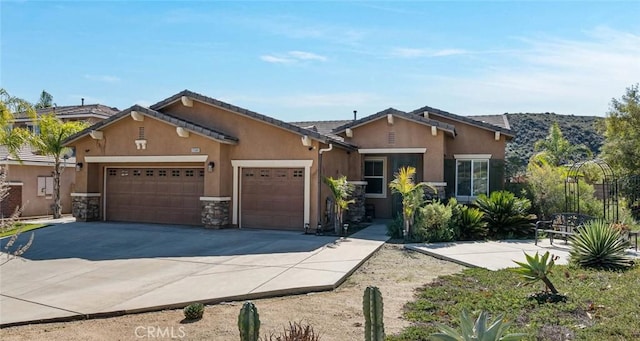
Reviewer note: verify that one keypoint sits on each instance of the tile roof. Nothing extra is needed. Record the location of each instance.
(463, 119)
(496, 120)
(28, 154)
(198, 129)
(391, 111)
(99, 110)
(270, 120)
(323, 127)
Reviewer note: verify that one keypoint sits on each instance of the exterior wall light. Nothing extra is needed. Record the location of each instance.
(79, 166)
(210, 166)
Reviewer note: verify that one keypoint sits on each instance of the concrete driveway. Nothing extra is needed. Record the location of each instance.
(83, 270)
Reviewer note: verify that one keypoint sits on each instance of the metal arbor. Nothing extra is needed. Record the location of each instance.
(608, 194)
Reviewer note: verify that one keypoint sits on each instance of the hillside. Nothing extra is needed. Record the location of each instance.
(531, 127)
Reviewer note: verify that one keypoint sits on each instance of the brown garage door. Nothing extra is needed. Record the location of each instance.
(155, 195)
(272, 198)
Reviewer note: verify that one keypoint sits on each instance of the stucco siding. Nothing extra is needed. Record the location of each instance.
(34, 205)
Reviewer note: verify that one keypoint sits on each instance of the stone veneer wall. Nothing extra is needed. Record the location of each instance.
(215, 212)
(85, 208)
(357, 211)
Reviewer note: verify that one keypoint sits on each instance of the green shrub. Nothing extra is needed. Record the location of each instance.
(395, 228)
(598, 245)
(432, 223)
(482, 330)
(546, 188)
(470, 223)
(506, 215)
(194, 311)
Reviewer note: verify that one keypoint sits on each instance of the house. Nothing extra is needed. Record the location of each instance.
(29, 175)
(192, 159)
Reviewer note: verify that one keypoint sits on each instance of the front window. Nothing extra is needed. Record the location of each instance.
(472, 178)
(375, 176)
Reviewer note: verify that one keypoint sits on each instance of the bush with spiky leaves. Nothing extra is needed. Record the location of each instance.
(598, 245)
(470, 223)
(194, 311)
(297, 332)
(536, 269)
(507, 216)
(478, 331)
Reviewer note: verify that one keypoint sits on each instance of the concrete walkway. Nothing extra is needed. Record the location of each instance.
(495, 255)
(99, 271)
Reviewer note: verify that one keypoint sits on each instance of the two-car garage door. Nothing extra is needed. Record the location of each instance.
(155, 195)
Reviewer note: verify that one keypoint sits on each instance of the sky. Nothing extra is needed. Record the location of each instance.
(308, 60)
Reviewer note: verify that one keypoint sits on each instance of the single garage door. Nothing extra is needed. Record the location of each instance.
(272, 198)
(155, 195)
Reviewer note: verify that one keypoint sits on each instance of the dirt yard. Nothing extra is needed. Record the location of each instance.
(335, 315)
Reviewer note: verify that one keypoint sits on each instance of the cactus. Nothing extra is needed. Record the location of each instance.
(373, 311)
(249, 322)
(194, 311)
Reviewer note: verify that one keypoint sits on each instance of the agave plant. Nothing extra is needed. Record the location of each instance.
(536, 269)
(598, 245)
(478, 331)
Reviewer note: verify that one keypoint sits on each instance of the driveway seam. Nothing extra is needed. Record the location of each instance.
(289, 268)
(42, 304)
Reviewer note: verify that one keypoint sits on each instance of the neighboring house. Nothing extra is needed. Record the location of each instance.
(30, 175)
(192, 159)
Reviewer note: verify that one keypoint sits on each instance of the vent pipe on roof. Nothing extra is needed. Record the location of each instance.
(355, 115)
(82, 100)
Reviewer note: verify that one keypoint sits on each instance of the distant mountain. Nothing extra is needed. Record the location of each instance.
(531, 127)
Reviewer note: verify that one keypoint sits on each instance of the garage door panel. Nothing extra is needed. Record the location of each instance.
(272, 198)
(166, 195)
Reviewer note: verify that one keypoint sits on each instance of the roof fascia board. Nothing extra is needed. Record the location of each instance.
(457, 118)
(280, 124)
(125, 113)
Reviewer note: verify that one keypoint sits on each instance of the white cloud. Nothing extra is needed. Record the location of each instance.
(102, 78)
(307, 56)
(276, 60)
(292, 57)
(568, 76)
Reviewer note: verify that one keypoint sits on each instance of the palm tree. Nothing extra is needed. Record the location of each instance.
(45, 101)
(9, 106)
(412, 195)
(49, 141)
(556, 149)
(341, 190)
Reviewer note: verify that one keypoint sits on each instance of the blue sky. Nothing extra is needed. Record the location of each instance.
(310, 60)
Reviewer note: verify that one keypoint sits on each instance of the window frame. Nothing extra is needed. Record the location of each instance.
(44, 186)
(382, 159)
(471, 158)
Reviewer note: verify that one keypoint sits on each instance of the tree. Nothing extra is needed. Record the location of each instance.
(557, 150)
(9, 106)
(49, 141)
(341, 190)
(621, 147)
(412, 195)
(45, 101)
